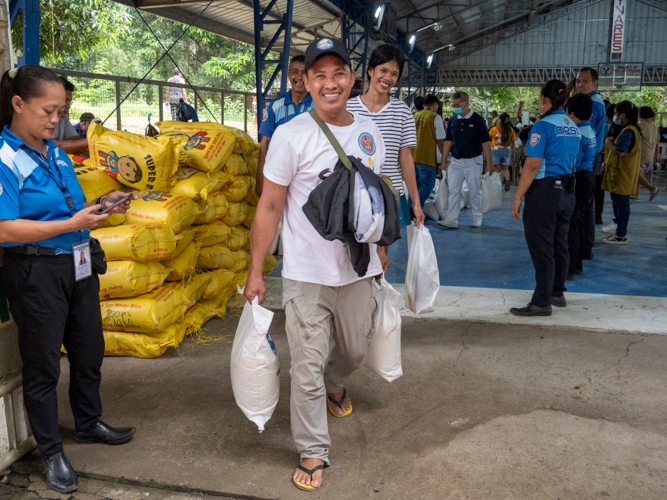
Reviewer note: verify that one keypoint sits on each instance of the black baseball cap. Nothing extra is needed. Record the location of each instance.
(325, 46)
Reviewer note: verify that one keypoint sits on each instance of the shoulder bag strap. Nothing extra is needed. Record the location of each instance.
(332, 139)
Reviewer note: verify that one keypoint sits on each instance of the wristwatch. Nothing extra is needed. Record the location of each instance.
(100, 201)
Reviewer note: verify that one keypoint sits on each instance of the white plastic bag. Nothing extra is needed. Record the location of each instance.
(492, 192)
(442, 199)
(384, 353)
(422, 278)
(430, 211)
(255, 365)
(465, 196)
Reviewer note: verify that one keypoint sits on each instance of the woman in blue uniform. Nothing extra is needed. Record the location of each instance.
(547, 181)
(52, 292)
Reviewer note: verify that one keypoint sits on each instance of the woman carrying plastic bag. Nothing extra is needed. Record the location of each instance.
(384, 352)
(422, 278)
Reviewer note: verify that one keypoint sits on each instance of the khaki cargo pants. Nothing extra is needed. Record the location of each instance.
(313, 313)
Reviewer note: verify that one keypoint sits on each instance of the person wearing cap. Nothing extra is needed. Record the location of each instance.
(65, 136)
(175, 94)
(323, 296)
(281, 110)
(84, 122)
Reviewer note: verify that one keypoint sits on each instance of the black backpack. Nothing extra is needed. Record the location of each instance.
(186, 112)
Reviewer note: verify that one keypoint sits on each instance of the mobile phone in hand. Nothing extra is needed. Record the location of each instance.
(109, 208)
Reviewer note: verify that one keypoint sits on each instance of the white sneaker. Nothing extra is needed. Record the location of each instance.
(612, 239)
(610, 228)
(476, 223)
(448, 225)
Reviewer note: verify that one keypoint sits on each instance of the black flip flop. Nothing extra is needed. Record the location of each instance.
(310, 472)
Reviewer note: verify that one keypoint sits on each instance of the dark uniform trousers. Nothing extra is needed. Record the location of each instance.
(596, 205)
(546, 221)
(577, 241)
(52, 309)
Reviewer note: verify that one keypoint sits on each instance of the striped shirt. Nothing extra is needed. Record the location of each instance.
(397, 127)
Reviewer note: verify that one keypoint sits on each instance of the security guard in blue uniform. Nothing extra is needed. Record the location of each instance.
(547, 181)
(48, 274)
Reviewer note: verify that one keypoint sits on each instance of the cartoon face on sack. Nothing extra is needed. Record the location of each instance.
(125, 166)
(197, 141)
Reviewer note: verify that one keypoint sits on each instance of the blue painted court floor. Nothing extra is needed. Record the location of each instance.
(496, 255)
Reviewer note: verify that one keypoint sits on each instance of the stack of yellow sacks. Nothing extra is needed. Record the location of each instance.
(177, 256)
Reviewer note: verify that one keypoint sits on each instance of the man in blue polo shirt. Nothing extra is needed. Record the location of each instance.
(587, 83)
(467, 137)
(283, 109)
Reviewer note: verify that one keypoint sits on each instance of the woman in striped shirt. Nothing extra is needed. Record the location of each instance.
(394, 119)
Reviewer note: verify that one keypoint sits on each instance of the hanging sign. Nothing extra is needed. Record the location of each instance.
(618, 26)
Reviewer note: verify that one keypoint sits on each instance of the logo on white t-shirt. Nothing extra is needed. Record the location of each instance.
(367, 143)
(325, 44)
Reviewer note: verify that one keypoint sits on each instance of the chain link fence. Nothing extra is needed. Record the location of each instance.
(106, 96)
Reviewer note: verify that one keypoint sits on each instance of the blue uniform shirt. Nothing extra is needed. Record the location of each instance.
(555, 139)
(30, 188)
(281, 110)
(598, 119)
(586, 155)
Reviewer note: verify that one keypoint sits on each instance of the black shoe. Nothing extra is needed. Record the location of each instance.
(60, 475)
(598, 221)
(531, 310)
(558, 301)
(103, 433)
(588, 256)
(507, 185)
(570, 277)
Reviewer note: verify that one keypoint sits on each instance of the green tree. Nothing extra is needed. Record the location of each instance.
(75, 27)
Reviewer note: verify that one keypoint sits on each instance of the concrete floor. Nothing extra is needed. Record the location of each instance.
(483, 411)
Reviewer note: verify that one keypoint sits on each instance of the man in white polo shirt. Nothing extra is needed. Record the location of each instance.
(323, 296)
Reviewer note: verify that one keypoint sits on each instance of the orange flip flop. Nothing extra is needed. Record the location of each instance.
(310, 472)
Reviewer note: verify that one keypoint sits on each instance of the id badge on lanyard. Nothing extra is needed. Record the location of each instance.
(82, 264)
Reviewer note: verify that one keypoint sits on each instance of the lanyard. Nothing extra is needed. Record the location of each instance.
(59, 180)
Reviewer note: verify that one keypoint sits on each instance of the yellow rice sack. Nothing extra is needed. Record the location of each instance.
(237, 239)
(81, 160)
(236, 165)
(194, 184)
(125, 278)
(180, 139)
(270, 264)
(250, 217)
(153, 311)
(142, 345)
(184, 264)
(221, 257)
(200, 313)
(140, 162)
(138, 242)
(208, 147)
(212, 208)
(155, 207)
(244, 143)
(114, 220)
(235, 188)
(212, 233)
(183, 239)
(241, 278)
(220, 279)
(251, 197)
(252, 161)
(94, 182)
(237, 214)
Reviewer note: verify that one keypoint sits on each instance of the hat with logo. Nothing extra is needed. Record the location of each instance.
(325, 46)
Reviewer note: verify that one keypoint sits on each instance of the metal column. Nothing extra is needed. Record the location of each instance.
(356, 36)
(30, 9)
(285, 27)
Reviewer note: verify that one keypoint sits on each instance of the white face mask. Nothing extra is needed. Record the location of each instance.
(616, 120)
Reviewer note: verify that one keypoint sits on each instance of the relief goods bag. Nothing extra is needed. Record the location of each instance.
(255, 365)
(156, 207)
(492, 192)
(138, 242)
(422, 279)
(208, 146)
(442, 199)
(125, 278)
(384, 352)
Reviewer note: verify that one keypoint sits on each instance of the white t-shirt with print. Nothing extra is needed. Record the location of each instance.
(301, 157)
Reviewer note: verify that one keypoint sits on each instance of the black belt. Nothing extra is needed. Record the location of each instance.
(35, 250)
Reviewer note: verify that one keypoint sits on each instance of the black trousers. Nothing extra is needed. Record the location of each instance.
(599, 192)
(591, 208)
(577, 239)
(51, 308)
(546, 221)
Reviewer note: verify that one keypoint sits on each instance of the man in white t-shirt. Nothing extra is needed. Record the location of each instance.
(323, 296)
